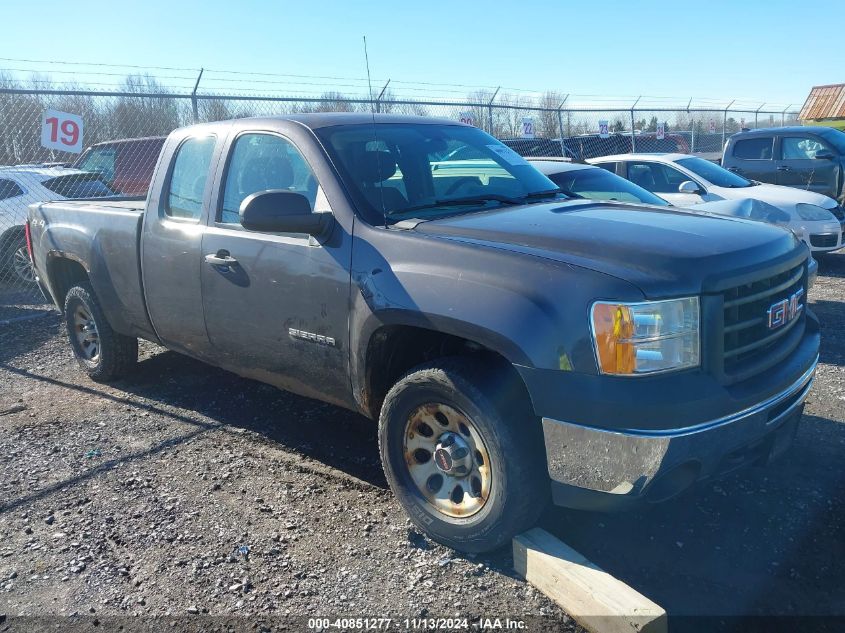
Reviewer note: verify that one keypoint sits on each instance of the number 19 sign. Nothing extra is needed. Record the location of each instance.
(61, 131)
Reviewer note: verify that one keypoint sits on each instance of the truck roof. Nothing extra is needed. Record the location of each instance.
(315, 120)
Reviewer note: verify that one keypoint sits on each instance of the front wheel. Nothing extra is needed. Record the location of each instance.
(100, 351)
(16, 260)
(463, 454)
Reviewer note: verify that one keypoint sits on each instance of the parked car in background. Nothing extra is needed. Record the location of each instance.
(22, 185)
(686, 180)
(586, 146)
(811, 158)
(514, 343)
(589, 181)
(126, 165)
(595, 183)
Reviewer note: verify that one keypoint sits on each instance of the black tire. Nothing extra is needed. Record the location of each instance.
(14, 259)
(486, 396)
(116, 354)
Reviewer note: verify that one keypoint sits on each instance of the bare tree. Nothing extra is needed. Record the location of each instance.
(144, 114)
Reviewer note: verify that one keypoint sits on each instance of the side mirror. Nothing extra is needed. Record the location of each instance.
(688, 186)
(823, 155)
(282, 211)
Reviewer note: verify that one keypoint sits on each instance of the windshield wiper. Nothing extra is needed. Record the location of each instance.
(551, 192)
(467, 201)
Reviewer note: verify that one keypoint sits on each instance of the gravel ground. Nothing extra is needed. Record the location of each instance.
(189, 490)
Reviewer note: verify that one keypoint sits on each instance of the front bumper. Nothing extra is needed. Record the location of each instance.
(600, 469)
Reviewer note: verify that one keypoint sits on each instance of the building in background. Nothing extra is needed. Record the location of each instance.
(825, 105)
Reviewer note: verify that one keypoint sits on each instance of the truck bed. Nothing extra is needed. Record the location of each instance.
(103, 236)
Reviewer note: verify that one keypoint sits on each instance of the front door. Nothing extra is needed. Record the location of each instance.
(798, 166)
(662, 180)
(278, 310)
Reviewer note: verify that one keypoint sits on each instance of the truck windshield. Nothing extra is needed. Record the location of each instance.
(396, 171)
(716, 175)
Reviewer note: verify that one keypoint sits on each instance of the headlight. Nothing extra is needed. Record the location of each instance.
(642, 338)
(812, 212)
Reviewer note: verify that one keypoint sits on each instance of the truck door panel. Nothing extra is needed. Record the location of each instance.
(798, 167)
(754, 158)
(172, 247)
(279, 313)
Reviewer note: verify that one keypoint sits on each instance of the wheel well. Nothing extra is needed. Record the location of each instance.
(395, 349)
(64, 274)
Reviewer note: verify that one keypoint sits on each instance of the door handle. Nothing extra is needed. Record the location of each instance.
(221, 258)
(784, 168)
(735, 170)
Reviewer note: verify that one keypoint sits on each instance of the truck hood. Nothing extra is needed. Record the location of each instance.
(662, 251)
(783, 197)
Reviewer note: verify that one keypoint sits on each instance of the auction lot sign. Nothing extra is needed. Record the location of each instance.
(61, 131)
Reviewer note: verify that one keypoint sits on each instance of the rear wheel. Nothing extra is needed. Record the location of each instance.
(467, 466)
(100, 351)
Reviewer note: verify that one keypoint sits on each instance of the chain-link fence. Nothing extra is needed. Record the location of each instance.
(123, 132)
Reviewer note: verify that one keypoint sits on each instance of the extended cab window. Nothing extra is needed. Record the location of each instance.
(801, 148)
(754, 148)
(265, 161)
(187, 182)
(9, 189)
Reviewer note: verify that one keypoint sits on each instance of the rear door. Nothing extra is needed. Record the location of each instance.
(171, 243)
(797, 165)
(753, 158)
(279, 312)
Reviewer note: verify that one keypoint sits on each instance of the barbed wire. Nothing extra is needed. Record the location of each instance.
(90, 74)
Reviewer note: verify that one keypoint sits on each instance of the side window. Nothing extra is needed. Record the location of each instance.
(655, 177)
(260, 162)
(754, 148)
(800, 148)
(100, 160)
(9, 189)
(611, 167)
(187, 182)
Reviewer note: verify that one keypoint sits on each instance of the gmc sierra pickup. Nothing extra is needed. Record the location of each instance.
(514, 341)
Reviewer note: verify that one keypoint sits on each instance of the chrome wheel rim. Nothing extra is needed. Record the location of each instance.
(447, 460)
(86, 333)
(22, 266)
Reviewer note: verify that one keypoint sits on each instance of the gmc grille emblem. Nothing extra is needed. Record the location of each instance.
(784, 311)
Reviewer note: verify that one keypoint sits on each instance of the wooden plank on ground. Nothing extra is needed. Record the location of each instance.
(592, 597)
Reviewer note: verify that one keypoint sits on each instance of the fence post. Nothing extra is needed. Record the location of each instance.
(691, 129)
(633, 136)
(756, 112)
(560, 125)
(380, 95)
(725, 123)
(194, 98)
(783, 115)
(490, 109)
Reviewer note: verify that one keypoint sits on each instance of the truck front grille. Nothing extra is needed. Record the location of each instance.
(750, 333)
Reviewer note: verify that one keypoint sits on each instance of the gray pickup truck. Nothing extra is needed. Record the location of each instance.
(515, 342)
